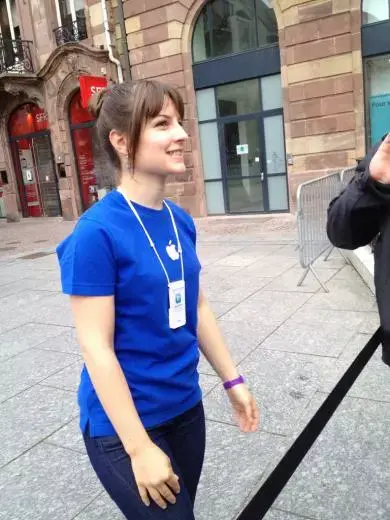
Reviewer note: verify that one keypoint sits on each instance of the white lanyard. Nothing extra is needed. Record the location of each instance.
(180, 251)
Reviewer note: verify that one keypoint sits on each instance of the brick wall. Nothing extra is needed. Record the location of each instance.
(321, 76)
(323, 85)
(156, 39)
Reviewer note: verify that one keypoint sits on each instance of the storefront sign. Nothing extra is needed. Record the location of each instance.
(380, 116)
(242, 149)
(90, 85)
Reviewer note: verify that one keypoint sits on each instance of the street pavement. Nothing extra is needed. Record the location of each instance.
(291, 343)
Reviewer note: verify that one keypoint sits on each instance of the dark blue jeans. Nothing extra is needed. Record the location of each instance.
(183, 441)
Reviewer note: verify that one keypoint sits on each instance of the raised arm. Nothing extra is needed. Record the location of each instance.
(356, 215)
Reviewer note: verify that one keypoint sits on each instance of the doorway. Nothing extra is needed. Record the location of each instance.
(81, 127)
(33, 161)
(243, 147)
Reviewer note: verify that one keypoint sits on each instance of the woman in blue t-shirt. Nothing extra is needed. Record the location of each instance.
(131, 269)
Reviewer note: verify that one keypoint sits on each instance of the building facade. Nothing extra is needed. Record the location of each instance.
(276, 92)
(46, 149)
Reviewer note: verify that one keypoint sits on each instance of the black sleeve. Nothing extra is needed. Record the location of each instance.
(356, 215)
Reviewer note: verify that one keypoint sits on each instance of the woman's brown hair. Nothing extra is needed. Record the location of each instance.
(126, 107)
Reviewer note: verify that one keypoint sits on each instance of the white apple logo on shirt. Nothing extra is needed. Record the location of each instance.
(172, 252)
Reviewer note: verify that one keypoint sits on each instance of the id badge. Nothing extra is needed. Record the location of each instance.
(177, 304)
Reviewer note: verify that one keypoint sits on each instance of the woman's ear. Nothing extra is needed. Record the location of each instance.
(119, 142)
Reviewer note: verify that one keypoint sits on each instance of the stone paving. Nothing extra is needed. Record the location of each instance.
(292, 344)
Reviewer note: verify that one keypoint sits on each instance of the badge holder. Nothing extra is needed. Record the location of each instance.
(177, 304)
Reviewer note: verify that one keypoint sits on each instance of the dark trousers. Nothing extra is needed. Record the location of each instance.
(183, 441)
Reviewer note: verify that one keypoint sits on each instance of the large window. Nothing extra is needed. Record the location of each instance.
(232, 26)
(242, 143)
(375, 11)
(377, 88)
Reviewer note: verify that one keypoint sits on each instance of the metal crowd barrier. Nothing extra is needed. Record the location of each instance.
(347, 175)
(313, 198)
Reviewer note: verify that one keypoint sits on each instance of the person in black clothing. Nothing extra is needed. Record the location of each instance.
(360, 214)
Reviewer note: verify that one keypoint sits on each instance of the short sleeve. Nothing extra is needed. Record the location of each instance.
(87, 261)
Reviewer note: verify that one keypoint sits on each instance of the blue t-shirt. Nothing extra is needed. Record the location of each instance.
(108, 253)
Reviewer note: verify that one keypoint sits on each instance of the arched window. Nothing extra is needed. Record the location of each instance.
(231, 26)
(375, 11)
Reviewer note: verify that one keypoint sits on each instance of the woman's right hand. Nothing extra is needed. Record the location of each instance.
(380, 163)
(154, 476)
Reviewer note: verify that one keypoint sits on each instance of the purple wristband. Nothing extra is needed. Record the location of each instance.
(234, 382)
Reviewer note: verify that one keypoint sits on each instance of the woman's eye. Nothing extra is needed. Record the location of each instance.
(162, 123)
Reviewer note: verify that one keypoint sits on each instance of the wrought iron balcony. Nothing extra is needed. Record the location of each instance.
(71, 32)
(16, 56)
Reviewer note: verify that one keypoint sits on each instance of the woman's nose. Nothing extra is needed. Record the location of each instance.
(180, 133)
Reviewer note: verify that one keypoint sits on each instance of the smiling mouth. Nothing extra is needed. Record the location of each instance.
(176, 153)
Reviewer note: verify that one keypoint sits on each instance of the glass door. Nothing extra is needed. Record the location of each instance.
(28, 178)
(83, 146)
(43, 158)
(241, 131)
(244, 168)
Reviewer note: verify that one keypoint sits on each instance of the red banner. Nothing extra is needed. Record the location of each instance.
(90, 85)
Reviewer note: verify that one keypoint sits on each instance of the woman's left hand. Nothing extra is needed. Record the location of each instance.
(245, 408)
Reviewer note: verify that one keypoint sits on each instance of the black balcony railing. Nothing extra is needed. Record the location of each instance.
(71, 32)
(15, 56)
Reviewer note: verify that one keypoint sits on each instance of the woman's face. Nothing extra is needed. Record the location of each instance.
(161, 146)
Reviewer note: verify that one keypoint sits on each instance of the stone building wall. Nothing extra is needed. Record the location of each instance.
(55, 80)
(321, 77)
(323, 85)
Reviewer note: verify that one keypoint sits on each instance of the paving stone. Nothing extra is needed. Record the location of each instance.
(234, 464)
(221, 271)
(348, 273)
(241, 338)
(24, 301)
(370, 323)
(69, 436)
(10, 273)
(242, 288)
(32, 283)
(277, 514)
(299, 337)
(267, 305)
(335, 257)
(28, 418)
(373, 382)
(213, 286)
(55, 312)
(28, 368)
(102, 508)
(44, 275)
(289, 251)
(244, 257)
(20, 308)
(27, 336)
(316, 317)
(346, 296)
(65, 342)
(270, 267)
(212, 253)
(48, 262)
(346, 473)
(67, 378)
(220, 308)
(208, 382)
(47, 483)
(288, 281)
(282, 383)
